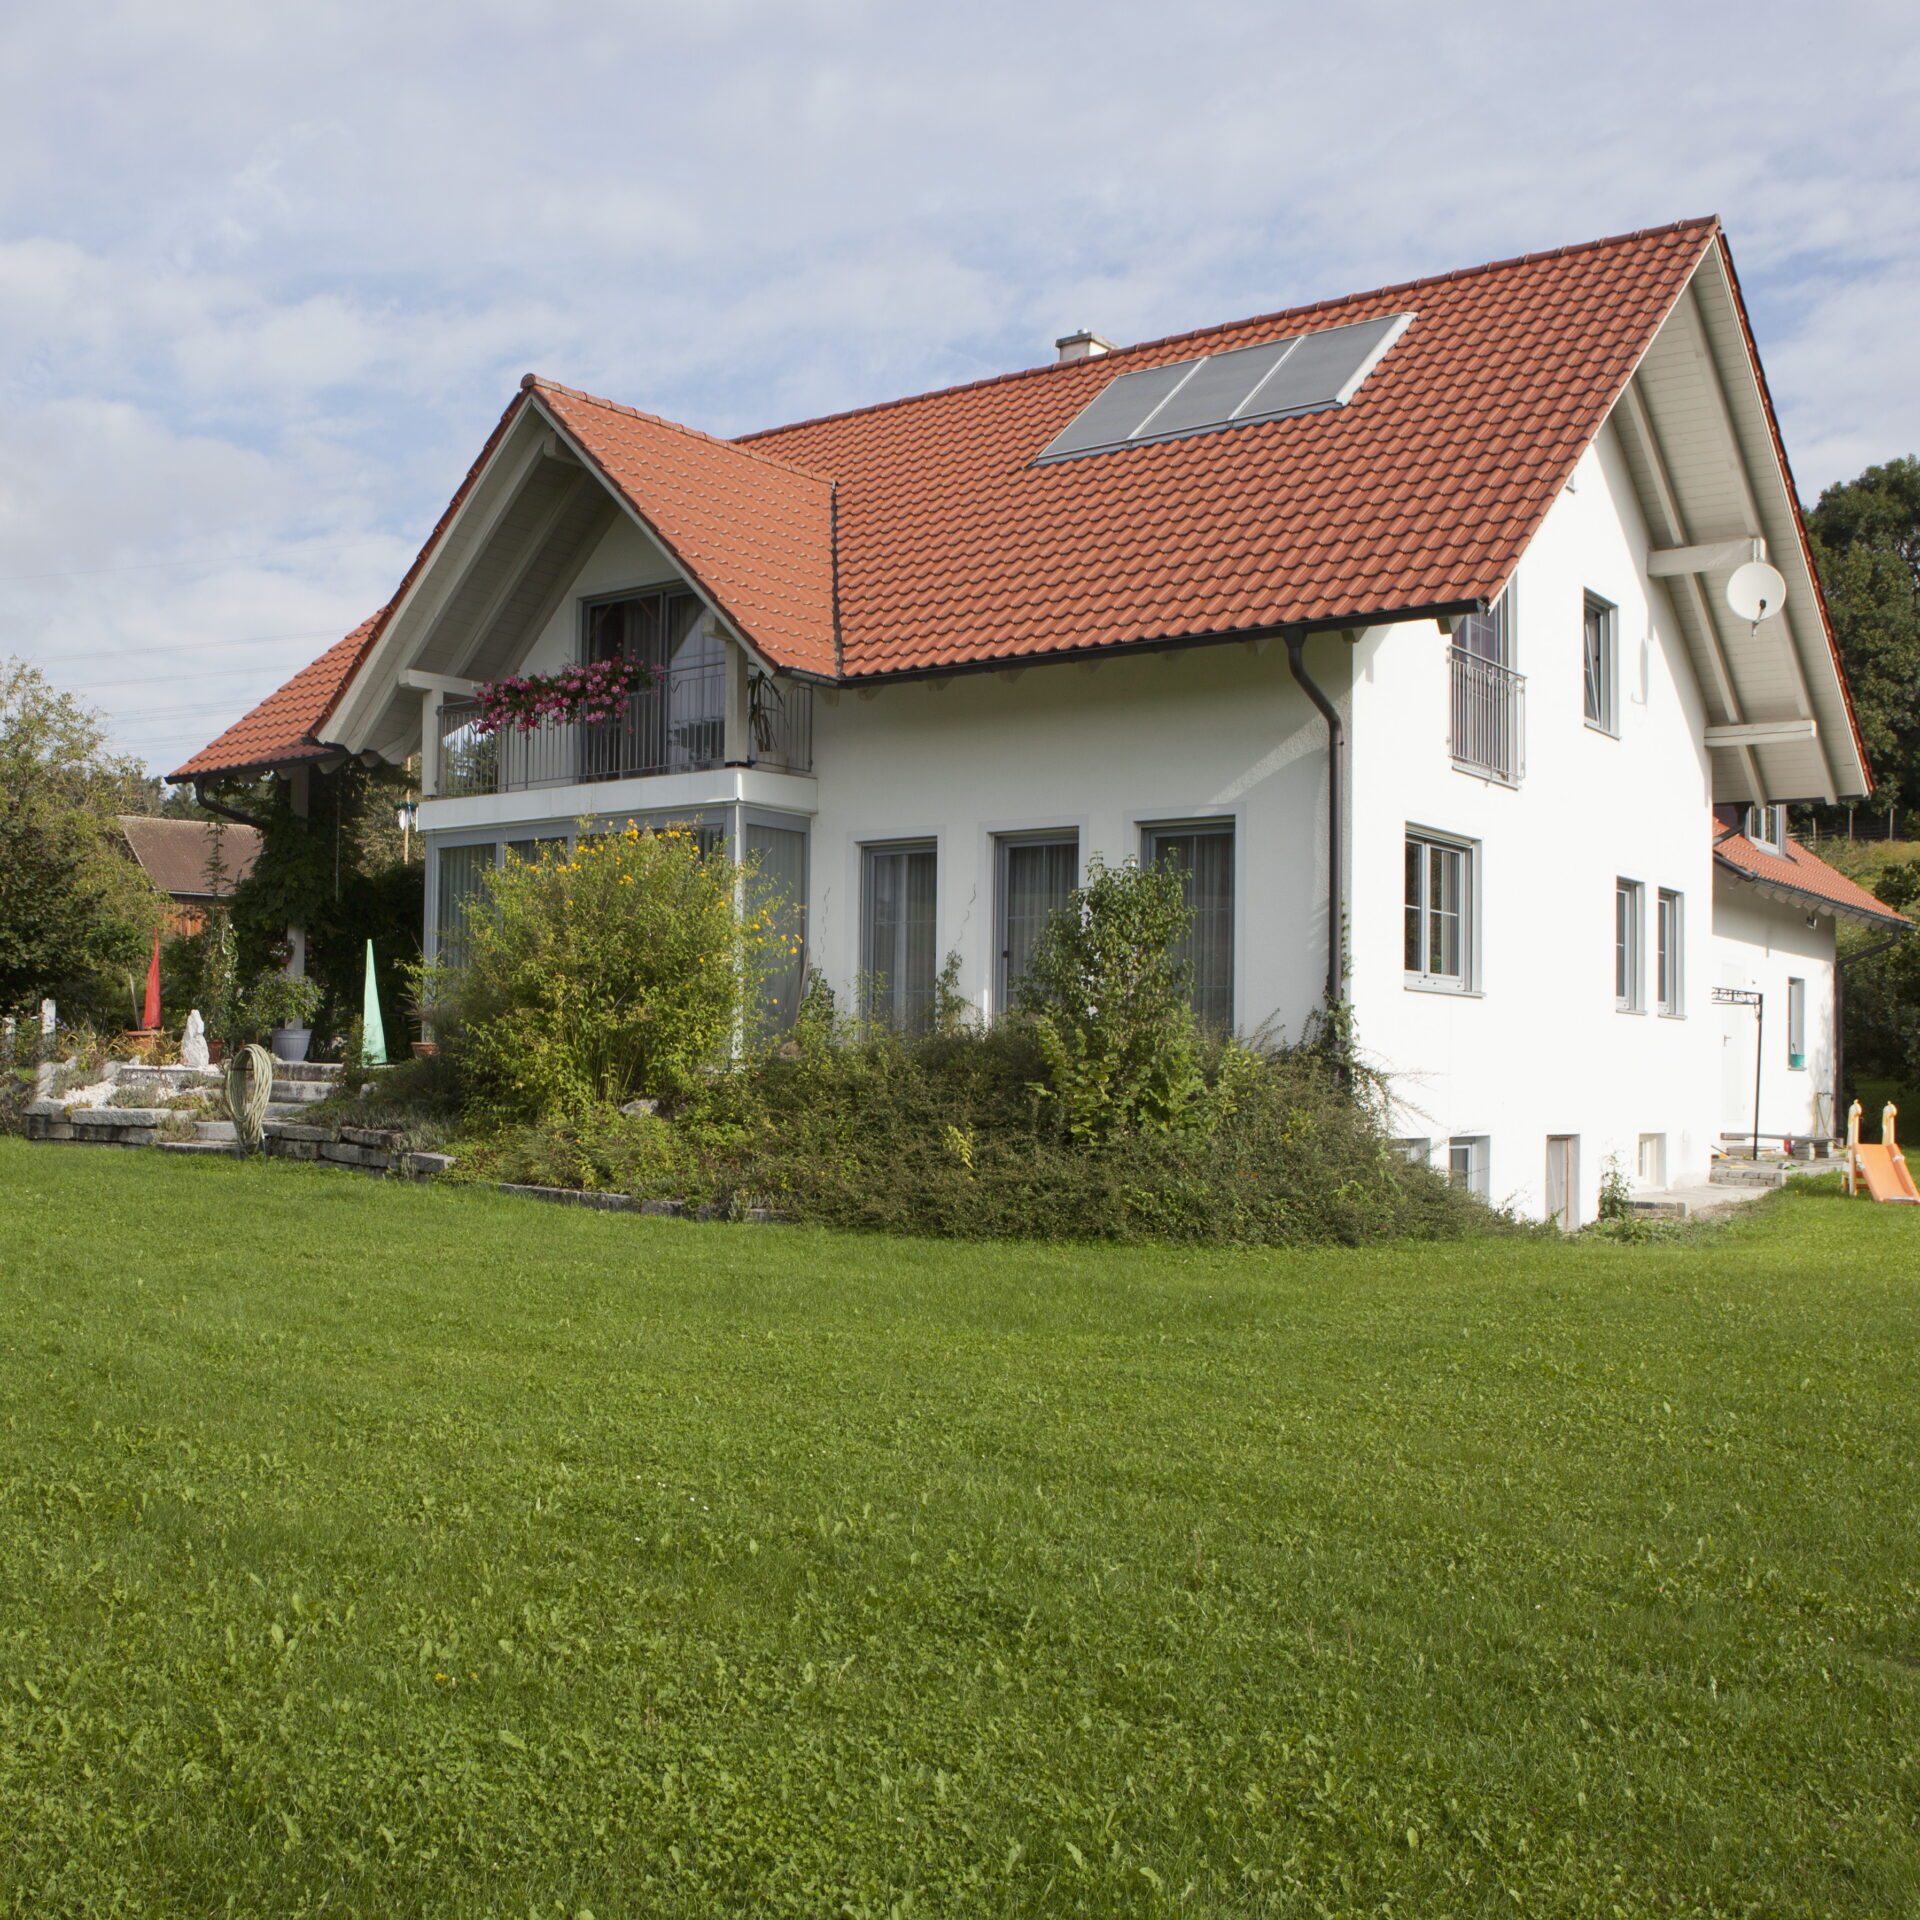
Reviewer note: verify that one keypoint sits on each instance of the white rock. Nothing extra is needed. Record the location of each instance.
(193, 1043)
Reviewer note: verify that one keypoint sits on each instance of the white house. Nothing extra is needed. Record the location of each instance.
(1400, 621)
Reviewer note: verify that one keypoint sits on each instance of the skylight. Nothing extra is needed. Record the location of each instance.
(1278, 377)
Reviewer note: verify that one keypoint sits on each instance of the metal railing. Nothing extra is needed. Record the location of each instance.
(1489, 718)
(676, 727)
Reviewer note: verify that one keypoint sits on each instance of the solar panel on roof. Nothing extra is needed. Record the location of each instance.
(1119, 407)
(1300, 374)
(1214, 389)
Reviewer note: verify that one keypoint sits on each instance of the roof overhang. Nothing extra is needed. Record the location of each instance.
(1808, 901)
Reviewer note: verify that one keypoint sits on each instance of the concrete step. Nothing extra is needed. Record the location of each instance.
(1747, 1173)
(215, 1130)
(323, 1072)
(302, 1092)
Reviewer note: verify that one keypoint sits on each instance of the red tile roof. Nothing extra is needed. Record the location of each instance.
(1421, 492)
(918, 535)
(1797, 871)
(284, 728)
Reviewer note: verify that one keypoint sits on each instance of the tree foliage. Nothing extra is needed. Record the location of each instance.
(1866, 539)
(72, 905)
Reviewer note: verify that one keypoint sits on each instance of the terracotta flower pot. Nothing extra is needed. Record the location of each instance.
(425, 1049)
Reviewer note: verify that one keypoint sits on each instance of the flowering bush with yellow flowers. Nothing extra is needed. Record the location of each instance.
(634, 967)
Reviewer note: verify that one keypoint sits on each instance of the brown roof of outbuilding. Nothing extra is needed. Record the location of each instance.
(174, 854)
(1794, 870)
(918, 535)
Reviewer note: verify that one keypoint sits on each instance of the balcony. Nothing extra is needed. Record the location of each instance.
(1489, 719)
(677, 727)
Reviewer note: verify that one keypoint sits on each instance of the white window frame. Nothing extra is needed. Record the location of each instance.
(1670, 954)
(1650, 1163)
(1467, 852)
(1629, 946)
(1766, 826)
(1600, 679)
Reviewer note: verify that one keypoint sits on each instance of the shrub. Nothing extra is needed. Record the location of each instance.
(630, 969)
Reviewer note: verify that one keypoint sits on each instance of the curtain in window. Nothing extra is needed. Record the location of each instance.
(1204, 857)
(1037, 878)
(461, 869)
(898, 932)
(1485, 635)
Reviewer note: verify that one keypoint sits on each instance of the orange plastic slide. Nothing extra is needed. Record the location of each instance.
(1883, 1168)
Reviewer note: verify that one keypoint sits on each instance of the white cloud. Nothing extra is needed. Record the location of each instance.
(267, 275)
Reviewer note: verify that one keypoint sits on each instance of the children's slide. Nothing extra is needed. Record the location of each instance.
(1882, 1168)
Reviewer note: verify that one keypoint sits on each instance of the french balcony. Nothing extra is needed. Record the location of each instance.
(1489, 719)
(679, 726)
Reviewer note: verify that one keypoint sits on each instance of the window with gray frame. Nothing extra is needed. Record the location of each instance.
(1797, 1024)
(675, 726)
(1669, 953)
(460, 879)
(1628, 896)
(1439, 943)
(899, 935)
(1037, 876)
(1600, 665)
(1767, 827)
(1203, 854)
(779, 857)
(1467, 1162)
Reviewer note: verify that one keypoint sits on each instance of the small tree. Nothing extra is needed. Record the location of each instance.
(629, 969)
(1107, 1000)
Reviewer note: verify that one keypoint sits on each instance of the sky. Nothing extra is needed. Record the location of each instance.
(268, 274)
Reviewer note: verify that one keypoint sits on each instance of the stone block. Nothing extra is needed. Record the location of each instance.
(380, 1137)
(426, 1165)
(671, 1208)
(288, 1130)
(118, 1116)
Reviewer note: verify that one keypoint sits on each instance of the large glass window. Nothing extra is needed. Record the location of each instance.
(1669, 954)
(1438, 927)
(1601, 670)
(677, 727)
(461, 871)
(1488, 636)
(898, 932)
(1467, 1162)
(1627, 943)
(1203, 853)
(779, 855)
(1038, 874)
(1796, 1023)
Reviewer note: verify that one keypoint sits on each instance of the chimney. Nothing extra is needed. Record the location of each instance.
(1082, 346)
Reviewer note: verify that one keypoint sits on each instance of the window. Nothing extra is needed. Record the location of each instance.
(1438, 929)
(1489, 636)
(898, 933)
(1487, 697)
(1038, 874)
(1419, 1152)
(1652, 1166)
(779, 855)
(1796, 1023)
(1600, 666)
(678, 725)
(1767, 826)
(461, 876)
(541, 847)
(1627, 897)
(1204, 856)
(1467, 1162)
(1667, 954)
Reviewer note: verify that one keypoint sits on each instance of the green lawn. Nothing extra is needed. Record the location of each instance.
(388, 1551)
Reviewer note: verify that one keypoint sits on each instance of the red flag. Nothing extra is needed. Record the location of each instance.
(150, 1017)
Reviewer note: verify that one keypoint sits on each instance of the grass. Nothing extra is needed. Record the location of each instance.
(382, 1551)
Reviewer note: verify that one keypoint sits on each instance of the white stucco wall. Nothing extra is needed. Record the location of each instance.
(625, 559)
(1216, 733)
(1539, 1048)
(1759, 945)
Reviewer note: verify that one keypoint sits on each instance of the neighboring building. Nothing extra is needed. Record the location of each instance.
(1400, 621)
(195, 863)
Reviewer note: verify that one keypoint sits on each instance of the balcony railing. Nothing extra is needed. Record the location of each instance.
(676, 727)
(1489, 718)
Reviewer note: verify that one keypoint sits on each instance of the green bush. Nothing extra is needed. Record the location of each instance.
(630, 969)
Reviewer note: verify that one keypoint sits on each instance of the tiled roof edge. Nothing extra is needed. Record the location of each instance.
(1709, 223)
(533, 383)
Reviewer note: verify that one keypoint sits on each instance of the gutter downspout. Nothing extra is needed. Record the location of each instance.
(1841, 963)
(1296, 641)
(226, 813)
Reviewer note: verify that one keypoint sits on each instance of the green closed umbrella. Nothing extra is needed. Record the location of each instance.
(373, 1032)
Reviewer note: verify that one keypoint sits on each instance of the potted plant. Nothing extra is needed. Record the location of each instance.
(281, 1004)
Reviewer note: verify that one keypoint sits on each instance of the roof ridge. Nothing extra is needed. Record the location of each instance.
(1709, 222)
(535, 383)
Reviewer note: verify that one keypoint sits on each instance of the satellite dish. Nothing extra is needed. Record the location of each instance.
(1757, 591)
